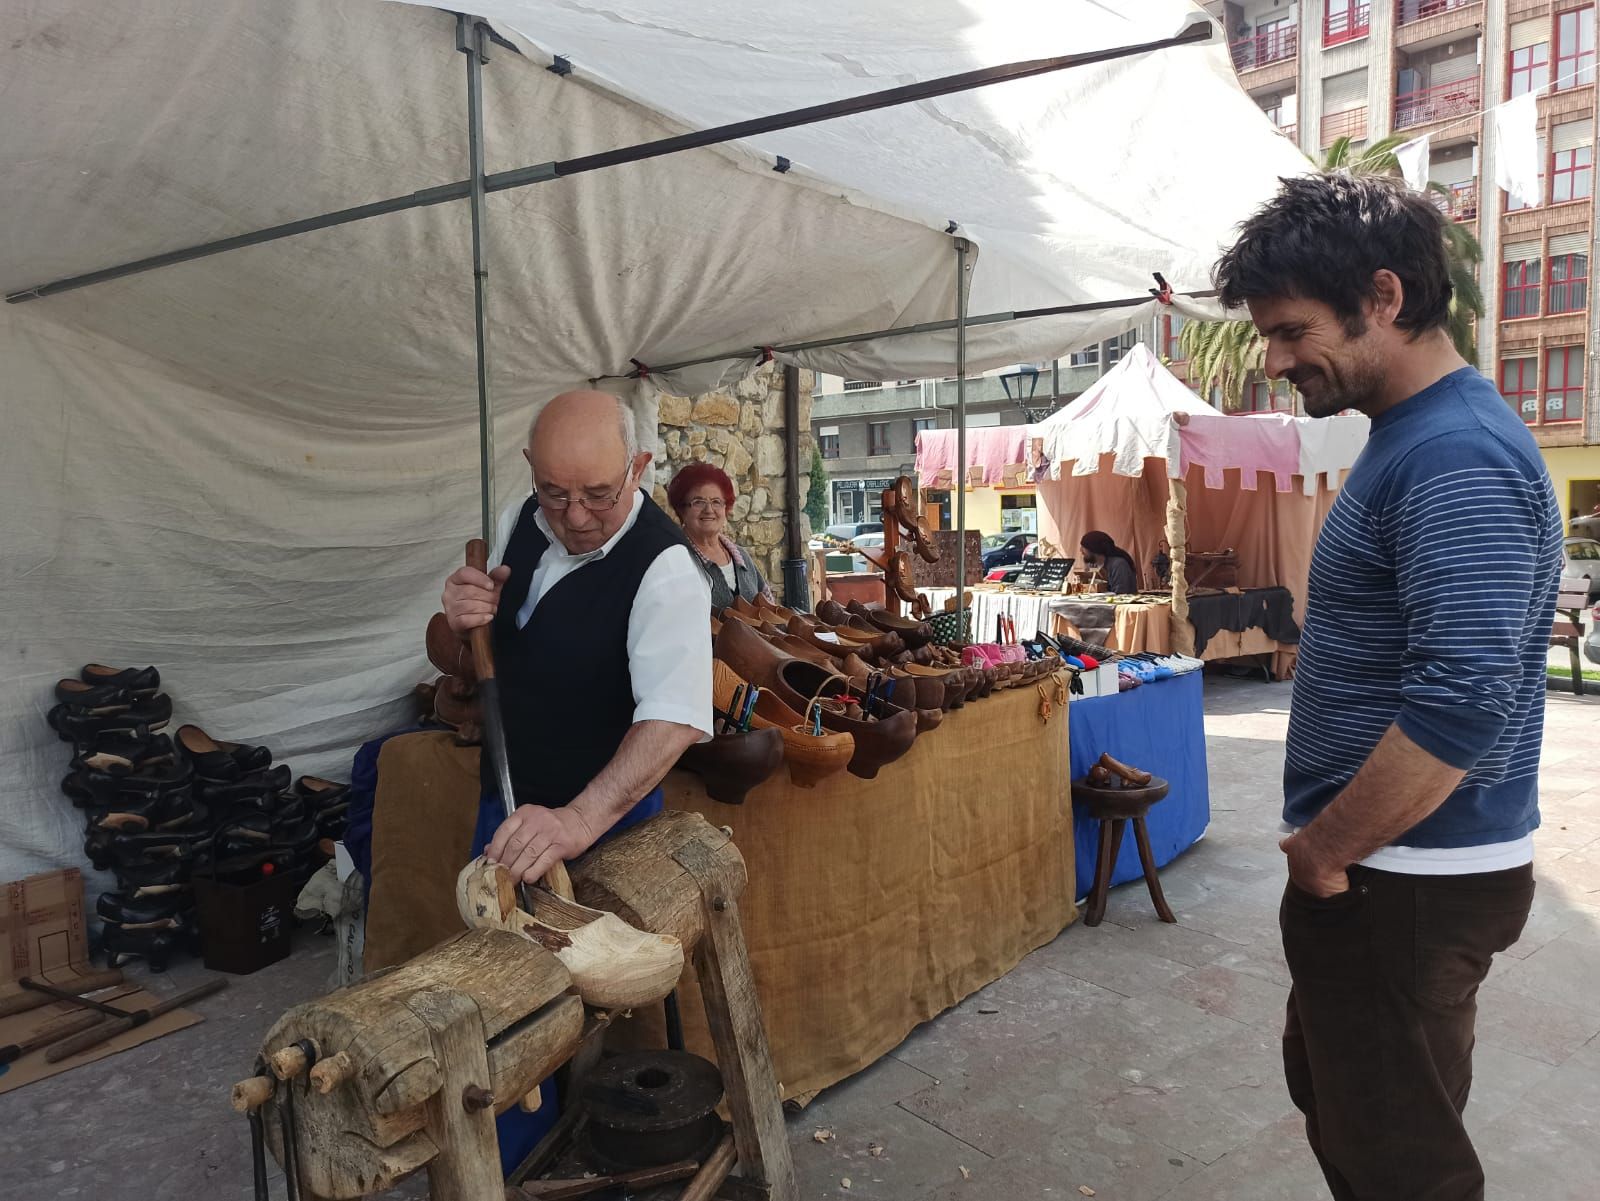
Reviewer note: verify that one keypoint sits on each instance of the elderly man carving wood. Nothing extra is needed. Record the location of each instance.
(601, 642)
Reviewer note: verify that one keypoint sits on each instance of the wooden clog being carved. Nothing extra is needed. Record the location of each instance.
(613, 965)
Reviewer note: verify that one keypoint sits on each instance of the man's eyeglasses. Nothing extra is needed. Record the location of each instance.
(595, 504)
(703, 502)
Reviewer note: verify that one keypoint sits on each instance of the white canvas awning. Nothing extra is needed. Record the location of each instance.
(254, 469)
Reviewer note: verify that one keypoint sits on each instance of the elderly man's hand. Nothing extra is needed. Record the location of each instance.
(470, 597)
(534, 839)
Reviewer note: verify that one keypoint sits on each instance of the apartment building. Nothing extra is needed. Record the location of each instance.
(1322, 69)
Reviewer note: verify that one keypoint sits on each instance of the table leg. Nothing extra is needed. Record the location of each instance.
(1151, 877)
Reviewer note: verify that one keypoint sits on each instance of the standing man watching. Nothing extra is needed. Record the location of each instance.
(602, 639)
(1411, 768)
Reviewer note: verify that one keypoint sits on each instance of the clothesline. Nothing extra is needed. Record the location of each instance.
(1484, 112)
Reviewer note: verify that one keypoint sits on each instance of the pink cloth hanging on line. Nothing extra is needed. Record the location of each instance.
(994, 448)
(1250, 442)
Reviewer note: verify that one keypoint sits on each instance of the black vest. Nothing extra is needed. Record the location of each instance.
(565, 688)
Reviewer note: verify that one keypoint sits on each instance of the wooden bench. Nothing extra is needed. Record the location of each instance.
(1567, 629)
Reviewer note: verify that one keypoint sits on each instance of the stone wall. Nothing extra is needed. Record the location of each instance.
(742, 432)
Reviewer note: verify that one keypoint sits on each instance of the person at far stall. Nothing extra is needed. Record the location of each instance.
(1116, 564)
(701, 496)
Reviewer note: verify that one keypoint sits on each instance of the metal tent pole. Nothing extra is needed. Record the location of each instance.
(472, 41)
(962, 247)
(538, 173)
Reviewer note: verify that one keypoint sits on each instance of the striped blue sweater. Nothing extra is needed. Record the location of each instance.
(1432, 591)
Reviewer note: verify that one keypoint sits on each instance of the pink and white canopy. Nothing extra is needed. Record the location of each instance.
(1139, 410)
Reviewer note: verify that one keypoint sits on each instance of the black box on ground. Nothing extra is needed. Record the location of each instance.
(245, 927)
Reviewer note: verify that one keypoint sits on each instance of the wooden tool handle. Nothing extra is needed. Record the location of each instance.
(55, 1031)
(481, 636)
(87, 982)
(252, 1093)
(112, 1027)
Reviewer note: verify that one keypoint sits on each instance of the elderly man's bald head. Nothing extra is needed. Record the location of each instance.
(587, 406)
(584, 452)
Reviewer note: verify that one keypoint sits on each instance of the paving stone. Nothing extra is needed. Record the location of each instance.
(1238, 995)
(1209, 1103)
(1275, 1165)
(1177, 943)
(1501, 1081)
(1565, 971)
(1532, 1027)
(1146, 1034)
(916, 1156)
(1110, 957)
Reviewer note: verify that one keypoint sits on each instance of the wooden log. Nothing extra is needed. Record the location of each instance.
(733, 1015)
(467, 1167)
(636, 876)
(613, 965)
(372, 1130)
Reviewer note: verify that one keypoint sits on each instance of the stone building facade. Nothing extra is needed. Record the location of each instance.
(742, 432)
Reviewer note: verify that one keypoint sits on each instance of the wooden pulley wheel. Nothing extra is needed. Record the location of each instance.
(900, 576)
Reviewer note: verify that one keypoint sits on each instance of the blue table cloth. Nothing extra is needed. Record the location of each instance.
(1160, 728)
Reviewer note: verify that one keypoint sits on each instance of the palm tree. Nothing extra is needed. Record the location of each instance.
(1228, 355)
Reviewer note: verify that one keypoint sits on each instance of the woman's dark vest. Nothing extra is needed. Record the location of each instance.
(565, 688)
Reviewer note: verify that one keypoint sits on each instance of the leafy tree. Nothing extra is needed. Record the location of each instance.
(817, 496)
(1228, 355)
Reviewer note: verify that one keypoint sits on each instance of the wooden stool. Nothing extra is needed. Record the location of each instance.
(1114, 808)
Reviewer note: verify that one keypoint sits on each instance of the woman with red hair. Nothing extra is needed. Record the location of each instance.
(701, 496)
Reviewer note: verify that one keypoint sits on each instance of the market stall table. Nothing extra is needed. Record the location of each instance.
(1158, 728)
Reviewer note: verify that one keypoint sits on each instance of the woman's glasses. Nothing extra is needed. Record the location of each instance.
(702, 503)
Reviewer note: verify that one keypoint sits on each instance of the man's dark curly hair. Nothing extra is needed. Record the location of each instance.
(1322, 237)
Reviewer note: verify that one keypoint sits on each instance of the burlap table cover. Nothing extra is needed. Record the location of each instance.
(872, 905)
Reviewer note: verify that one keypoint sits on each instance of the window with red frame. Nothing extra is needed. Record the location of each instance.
(1171, 331)
(1574, 48)
(1263, 397)
(1571, 174)
(1569, 283)
(1519, 385)
(1530, 68)
(1563, 383)
(1519, 292)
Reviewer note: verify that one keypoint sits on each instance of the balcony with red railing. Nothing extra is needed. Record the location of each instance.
(1351, 123)
(1461, 204)
(1442, 102)
(1346, 24)
(1408, 11)
(1263, 49)
(1290, 131)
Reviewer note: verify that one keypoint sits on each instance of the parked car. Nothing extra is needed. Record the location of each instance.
(1581, 559)
(847, 531)
(872, 542)
(1009, 550)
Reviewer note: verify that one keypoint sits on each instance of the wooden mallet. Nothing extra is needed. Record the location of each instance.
(494, 730)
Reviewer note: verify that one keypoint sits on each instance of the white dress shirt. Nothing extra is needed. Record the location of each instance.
(669, 626)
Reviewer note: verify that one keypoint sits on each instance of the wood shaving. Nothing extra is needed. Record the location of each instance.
(875, 1150)
(966, 1172)
(1086, 1190)
(823, 1134)
(845, 1183)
